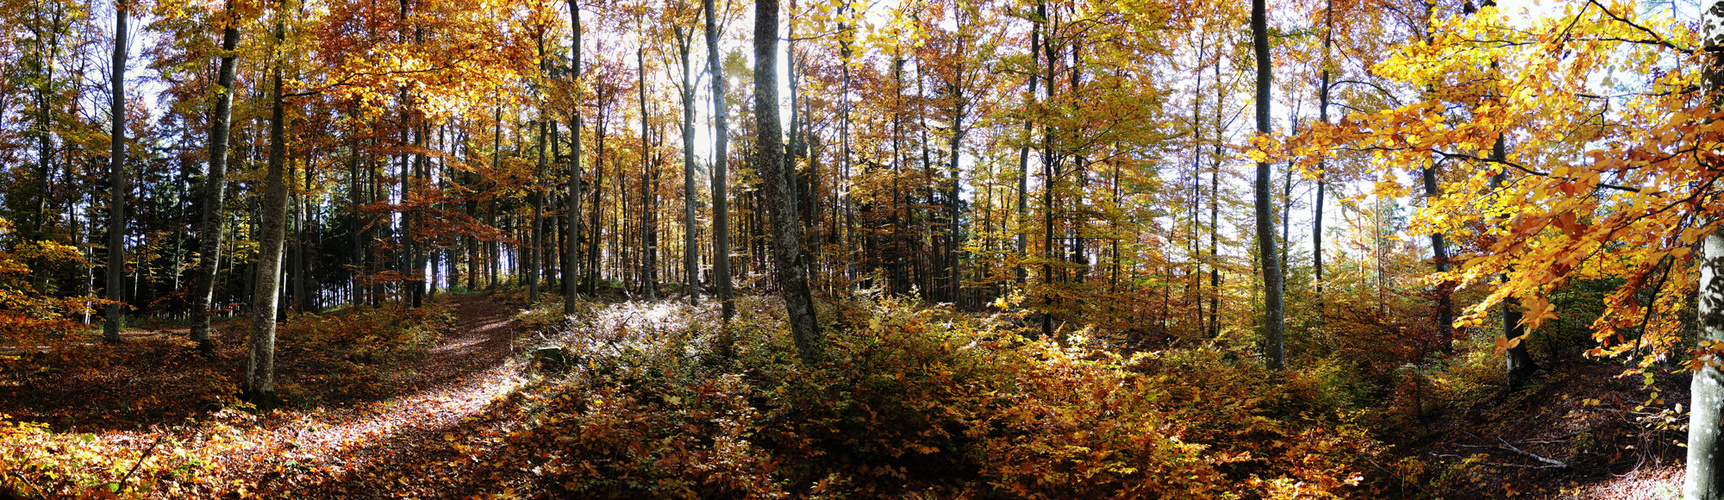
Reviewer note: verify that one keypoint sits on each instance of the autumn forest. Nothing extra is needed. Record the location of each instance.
(851, 249)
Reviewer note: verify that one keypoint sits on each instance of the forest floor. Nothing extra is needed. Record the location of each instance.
(356, 424)
(1580, 431)
(449, 418)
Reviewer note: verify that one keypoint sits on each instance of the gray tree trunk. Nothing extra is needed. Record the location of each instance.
(117, 187)
(574, 200)
(1704, 481)
(791, 269)
(720, 150)
(1274, 314)
(649, 181)
(1024, 150)
(1322, 164)
(690, 251)
(260, 362)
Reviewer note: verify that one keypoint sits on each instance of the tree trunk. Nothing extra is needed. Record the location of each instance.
(690, 251)
(535, 261)
(215, 186)
(260, 362)
(1705, 479)
(1518, 361)
(1273, 350)
(649, 243)
(721, 139)
(1024, 149)
(1322, 163)
(792, 270)
(117, 170)
(573, 216)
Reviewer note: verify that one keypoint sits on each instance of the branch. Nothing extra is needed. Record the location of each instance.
(25, 480)
(1516, 166)
(1656, 40)
(1518, 466)
(146, 455)
(1550, 463)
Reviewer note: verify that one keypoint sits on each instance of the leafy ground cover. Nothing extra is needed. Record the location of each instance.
(480, 397)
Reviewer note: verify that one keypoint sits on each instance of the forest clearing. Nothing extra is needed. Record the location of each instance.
(842, 249)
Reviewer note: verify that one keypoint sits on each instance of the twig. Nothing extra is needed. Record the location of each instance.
(25, 480)
(145, 456)
(1517, 466)
(1549, 463)
(1552, 463)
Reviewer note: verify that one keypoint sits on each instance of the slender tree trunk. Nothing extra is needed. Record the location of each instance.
(593, 256)
(1322, 163)
(536, 260)
(260, 362)
(1024, 149)
(117, 181)
(791, 269)
(649, 243)
(573, 217)
(1705, 479)
(1214, 210)
(215, 186)
(721, 139)
(1519, 362)
(301, 301)
(1273, 311)
(690, 250)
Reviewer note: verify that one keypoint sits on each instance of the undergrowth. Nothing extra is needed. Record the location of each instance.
(920, 401)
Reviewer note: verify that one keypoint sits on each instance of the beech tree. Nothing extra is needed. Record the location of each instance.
(210, 229)
(117, 177)
(1273, 313)
(792, 270)
(1705, 474)
(720, 151)
(260, 359)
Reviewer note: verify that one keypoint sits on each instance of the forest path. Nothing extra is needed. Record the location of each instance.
(450, 411)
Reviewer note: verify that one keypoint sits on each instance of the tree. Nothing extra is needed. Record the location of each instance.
(690, 245)
(215, 185)
(1274, 315)
(117, 177)
(573, 216)
(1704, 478)
(720, 150)
(786, 240)
(260, 359)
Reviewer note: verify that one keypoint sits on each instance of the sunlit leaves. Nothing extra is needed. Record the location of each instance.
(1603, 176)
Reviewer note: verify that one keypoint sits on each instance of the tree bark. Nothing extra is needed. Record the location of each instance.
(690, 250)
(260, 362)
(1024, 149)
(1322, 163)
(649, 179)
(1705, 479)
(117, 185)
(215, 186)
(792, 270)
(573, 217)
(1274, 319)
(720, 151)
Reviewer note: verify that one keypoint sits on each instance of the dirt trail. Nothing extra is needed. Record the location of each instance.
(420, 443)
